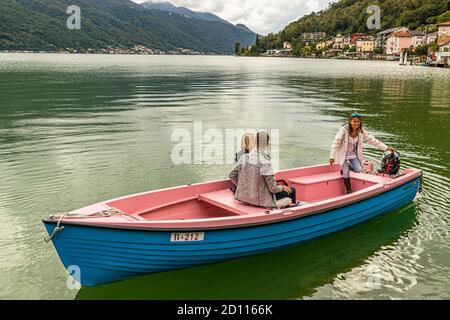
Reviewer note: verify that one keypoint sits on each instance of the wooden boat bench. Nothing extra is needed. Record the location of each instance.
(225, 199)
(321, 186)
(309, 188)
(308, 180)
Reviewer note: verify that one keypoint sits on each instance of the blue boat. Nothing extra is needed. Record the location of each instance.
(202, 223)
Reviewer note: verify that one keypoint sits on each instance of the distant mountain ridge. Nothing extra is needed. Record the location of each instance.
(41, 25)
(243, 27)
(167, 6)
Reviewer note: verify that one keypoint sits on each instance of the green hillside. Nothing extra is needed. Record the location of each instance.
(41, 25)
(350, 16)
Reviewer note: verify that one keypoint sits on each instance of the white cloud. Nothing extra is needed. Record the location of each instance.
(262, 16)
(313, 5)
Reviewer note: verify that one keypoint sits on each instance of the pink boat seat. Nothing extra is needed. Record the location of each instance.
(316, 178)
(312, 179)
(369, 177)
(322, 186)
(225, 200)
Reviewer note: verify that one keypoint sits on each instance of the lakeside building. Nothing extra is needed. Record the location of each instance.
(287, 45)
(418, 38)
(285, 52)
(398, 41)
(332, 53)
(347, 40)
(272, 52)
(314, 36)
(338, 42)
(443, 41)
(356, 36)
(443, 56)
(321, 45)
(382, 36)
(351, 39)
(445, 47)
(365, 45)
(431, 37)
(443, 33)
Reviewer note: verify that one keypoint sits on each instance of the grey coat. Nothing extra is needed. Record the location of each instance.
(255, 181)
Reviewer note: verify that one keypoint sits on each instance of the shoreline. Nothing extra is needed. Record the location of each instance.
(172, 54)
(6, 52)
(178, 55)
(112, 54)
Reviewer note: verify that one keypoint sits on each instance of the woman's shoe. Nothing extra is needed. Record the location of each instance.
(348, 185)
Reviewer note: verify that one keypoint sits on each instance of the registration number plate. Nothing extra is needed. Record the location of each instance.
(187, 236)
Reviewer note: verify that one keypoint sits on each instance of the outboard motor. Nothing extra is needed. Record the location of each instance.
(391, 163)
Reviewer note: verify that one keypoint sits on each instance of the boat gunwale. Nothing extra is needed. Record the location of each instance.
(287, 214)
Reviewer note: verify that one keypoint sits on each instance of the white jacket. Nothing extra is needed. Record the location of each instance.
(340, 143)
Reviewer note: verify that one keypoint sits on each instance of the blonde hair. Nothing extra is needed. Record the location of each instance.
(248, 141)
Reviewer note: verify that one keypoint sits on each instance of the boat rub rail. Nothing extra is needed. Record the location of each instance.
(251, 219)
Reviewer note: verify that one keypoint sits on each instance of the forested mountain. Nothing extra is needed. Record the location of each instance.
(41, 25)
(350, 16)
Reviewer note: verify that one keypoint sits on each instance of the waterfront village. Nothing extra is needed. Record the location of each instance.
(392, 44)
(137, 49)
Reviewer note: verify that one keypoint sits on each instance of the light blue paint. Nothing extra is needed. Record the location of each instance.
(106, 255)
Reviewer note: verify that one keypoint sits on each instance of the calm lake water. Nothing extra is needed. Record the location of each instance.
(78, 129)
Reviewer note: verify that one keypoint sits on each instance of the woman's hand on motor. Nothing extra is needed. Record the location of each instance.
(287, 189)
(331, 161)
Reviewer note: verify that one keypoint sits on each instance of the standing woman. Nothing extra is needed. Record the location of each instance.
(346, 149)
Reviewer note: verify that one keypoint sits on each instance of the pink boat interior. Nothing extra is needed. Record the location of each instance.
(215, 199)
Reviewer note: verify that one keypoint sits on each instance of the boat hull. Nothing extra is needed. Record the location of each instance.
(109, 254)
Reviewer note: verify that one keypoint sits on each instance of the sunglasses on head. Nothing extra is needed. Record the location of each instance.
(356, 115)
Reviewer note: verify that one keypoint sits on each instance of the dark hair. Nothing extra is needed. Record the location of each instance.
(350, 128)
(262, 140)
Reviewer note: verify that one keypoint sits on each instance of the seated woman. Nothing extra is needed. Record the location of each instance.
(254, 178)
(247, 144)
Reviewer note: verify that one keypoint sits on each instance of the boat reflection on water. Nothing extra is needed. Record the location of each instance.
(290, 273)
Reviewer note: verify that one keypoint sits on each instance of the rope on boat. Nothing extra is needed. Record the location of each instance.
(421, 183)
(56, 230)
(61, 216)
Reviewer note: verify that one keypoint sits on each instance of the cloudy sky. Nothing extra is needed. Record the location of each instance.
(262, 16)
